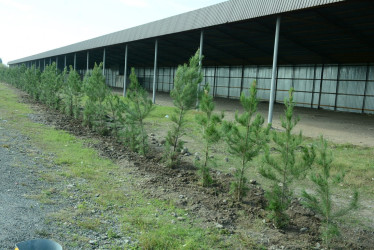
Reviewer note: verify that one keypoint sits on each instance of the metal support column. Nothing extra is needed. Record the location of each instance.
(125, 73)
(320, 87)
(200, 63)
(75, 61)
(155, 72)
(44, 65)
(104, 63)
(337, 88)
(50, 60)
(144, 79)
(88, 61)
(172, 81)
(228, 89)
(276, 84)
(163, 80)
(241, 82)
(65, 62)
(365, 89)
(274, 71)
(314, 81)
(56, 62)
(201, 47)
(215, 81)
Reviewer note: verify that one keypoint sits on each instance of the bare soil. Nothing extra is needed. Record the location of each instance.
(214, 205)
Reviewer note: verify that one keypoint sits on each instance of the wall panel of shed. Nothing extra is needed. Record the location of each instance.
(348, 88)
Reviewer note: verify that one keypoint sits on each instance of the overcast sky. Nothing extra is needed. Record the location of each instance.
(29, 27)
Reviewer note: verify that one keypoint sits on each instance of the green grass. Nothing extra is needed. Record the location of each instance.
(74, 161)
(159, 228)
(149, 220)
(357, 162)
(45, 196)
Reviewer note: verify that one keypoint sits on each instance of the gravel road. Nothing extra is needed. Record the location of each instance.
(21, 218)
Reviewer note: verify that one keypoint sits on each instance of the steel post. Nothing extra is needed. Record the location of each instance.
(154, 72)
(242, 81)
(228, 89)
(104, 63)
(75, 61)
(276, 84)
(200, 64)
(215, 82)
(65, 62)
(125, 73)
(201, 47)
(274, 71)
(314, 80)
(337, 88)
(56, 62)
(88, 61)
(320, 87)
(366, 86)
(44, 65)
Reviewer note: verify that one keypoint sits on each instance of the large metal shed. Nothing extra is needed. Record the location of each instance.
(324, 49)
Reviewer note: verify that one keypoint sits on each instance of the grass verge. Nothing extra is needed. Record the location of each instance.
(102, 193)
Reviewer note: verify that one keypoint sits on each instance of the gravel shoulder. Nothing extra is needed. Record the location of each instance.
(21, 218)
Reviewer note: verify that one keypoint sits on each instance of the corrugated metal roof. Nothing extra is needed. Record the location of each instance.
(226, 12)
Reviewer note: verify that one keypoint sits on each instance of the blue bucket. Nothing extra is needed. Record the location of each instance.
(38, 244)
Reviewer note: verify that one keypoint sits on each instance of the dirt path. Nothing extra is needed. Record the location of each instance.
(338, 127)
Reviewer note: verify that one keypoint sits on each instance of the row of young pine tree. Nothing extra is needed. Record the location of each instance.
(94, 103)
(90, 100)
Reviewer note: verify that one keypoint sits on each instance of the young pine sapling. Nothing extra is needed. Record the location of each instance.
(72, 93)
(137, 109)
(94, 114)
(116, 107)
(32, 84)
(285, 166)
(245, 140)
(211, 134)
(51, 83)
(184, 95)
(321, 202)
